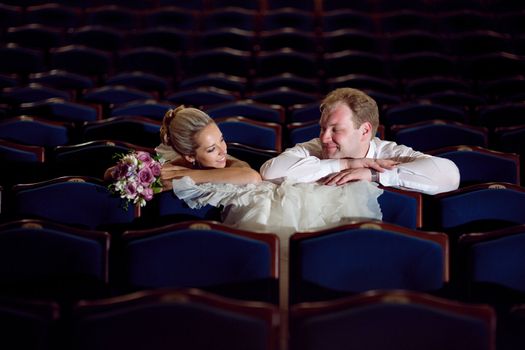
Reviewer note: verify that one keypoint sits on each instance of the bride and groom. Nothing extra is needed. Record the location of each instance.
(309, 186)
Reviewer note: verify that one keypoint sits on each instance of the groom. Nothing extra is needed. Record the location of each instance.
(347, 150)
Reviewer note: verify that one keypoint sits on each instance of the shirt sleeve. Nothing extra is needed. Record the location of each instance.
(301, 163)
(417, 171)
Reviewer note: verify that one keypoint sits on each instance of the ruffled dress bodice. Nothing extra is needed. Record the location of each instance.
(283, 208)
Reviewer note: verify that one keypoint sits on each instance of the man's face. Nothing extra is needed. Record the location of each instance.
(339, 137)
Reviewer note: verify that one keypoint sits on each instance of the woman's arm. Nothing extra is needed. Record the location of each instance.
(238, 172)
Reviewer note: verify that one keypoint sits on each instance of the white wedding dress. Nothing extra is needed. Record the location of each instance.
(283, 208)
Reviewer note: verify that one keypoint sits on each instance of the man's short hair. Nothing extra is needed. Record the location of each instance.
(363, 106)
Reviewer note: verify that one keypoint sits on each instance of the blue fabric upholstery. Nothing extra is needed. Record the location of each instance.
(149, 108)
(81, 59)
(133, 129)
(498, 260)
(174, 320)
(43, 251)
(60, 110)
(252, 155)
(17, 153)
(394, 321)
(249, 110)
(32, 93)
(41, 259)
(219, 60)
(110, 94)
(86, 204)
(401, 207)
(304, 133)
(434, 134)
(251, 134)
(484, 203)
(412, 113)
(143, 81)
(195, 258)
(34, 131)
(149, 59)
(166, 208)
(477, 165)
(201, 96)
(60, 79)
(91, 158)
(363, 259)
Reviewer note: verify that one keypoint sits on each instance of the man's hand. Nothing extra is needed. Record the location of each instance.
(358, 169)
(376, 164)
(347, 175)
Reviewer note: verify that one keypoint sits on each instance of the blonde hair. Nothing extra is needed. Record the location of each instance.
(180, 126)
(363, 106)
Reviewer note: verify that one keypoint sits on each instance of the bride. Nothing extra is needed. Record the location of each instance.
(200, 172)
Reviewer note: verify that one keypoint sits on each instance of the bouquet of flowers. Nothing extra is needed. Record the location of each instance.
(137, 177)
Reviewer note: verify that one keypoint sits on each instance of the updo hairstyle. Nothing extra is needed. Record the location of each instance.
(180, 126)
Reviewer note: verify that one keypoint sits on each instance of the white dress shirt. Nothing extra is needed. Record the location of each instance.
(418, 171)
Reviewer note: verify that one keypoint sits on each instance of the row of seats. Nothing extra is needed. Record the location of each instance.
(164, 208)
(466, 259)
(445, 18)
(280, 105)
(497, 202)
(55, 122)
(105, 38)
(306, 5)
(74, 58)
(65, 263)
(284, 90)
(277, 104)
(241, 265)
(91, 158)
(190, 318)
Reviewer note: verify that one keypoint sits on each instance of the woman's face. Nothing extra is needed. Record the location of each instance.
(211, 151)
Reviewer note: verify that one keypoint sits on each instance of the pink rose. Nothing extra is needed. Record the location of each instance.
(144, 157)
(155, 168)
(121, 170)
(145, 177)
(147, 193)
(131, 189)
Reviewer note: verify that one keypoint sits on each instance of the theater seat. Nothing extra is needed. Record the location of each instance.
(365, 255)
(168, 319)
(203, 254)
(76, 201)
(44, 260)
(479, 164)
(396, 320)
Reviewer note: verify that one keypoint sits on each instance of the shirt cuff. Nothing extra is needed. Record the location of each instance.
(333, 164)
(389, 177)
